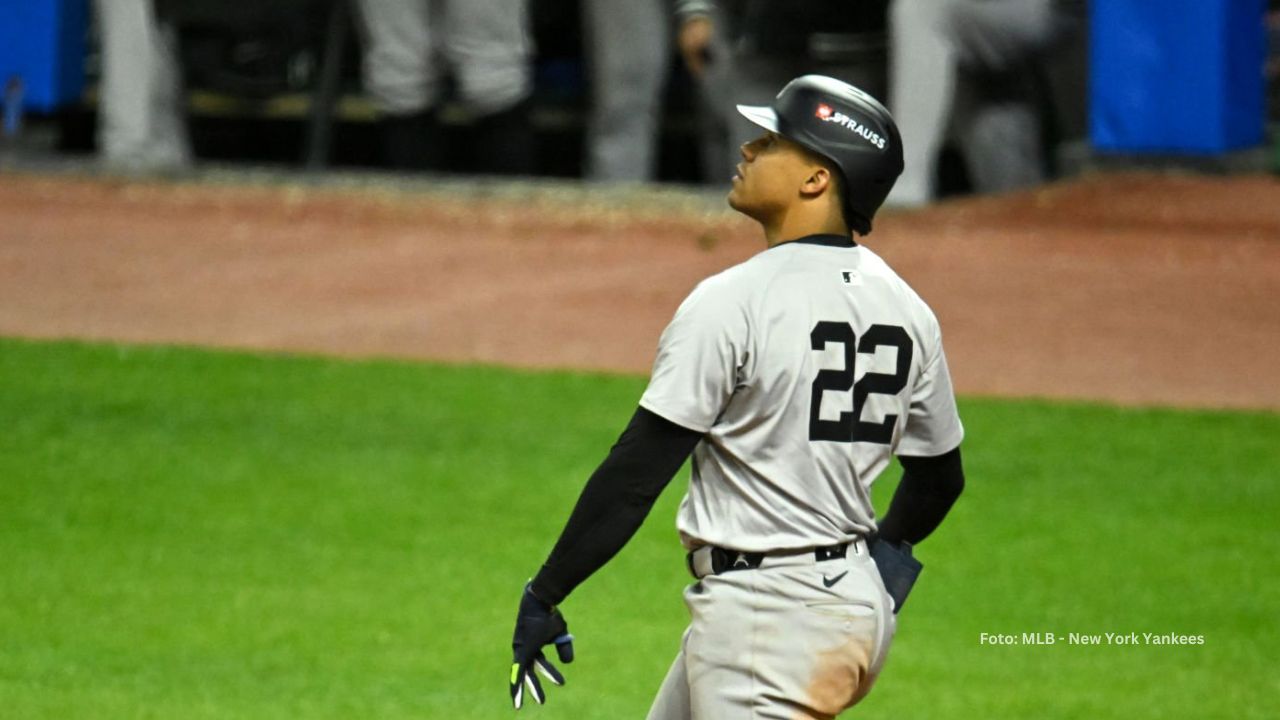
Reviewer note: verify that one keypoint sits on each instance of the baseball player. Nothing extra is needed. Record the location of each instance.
(791, 378)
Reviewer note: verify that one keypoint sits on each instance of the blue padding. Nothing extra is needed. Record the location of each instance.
(1176, 76)
(43, 42)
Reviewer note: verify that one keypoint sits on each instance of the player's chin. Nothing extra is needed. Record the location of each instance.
(743, 202)
(736, 196)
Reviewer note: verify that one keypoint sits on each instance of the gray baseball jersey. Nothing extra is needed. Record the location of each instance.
(807, 367)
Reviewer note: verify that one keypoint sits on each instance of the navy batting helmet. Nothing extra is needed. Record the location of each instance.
(848, 127)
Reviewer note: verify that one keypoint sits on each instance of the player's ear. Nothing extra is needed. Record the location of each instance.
(817, 182)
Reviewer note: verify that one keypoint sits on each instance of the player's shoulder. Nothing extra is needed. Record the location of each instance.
(875, 266)
(737, 283)
(733, 295)
(718, 297)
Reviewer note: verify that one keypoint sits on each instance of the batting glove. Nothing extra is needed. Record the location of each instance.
(537, 624)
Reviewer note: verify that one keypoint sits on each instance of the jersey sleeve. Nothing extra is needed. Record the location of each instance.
(701, 356)
(933, 424)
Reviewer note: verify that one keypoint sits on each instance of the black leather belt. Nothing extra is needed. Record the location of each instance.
(723, 560)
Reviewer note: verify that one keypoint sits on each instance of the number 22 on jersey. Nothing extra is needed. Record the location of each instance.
(850, 427)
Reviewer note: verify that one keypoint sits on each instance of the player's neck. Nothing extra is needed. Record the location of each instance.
(795, 225)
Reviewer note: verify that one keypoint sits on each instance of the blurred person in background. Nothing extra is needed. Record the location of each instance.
(141, 104)
(976, 69)
(628, 53)
(487, 48)
(979, 70)
(742, 51)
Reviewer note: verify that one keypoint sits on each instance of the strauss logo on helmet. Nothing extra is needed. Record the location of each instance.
(826, 113)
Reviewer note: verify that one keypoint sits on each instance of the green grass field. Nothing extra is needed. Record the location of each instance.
(193, 534)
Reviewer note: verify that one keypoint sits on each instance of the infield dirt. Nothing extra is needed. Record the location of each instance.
(1135, 288)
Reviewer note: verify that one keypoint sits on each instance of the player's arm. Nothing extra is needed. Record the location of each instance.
(615, 501)
(700, 357)
(612, 506)
(929, 487)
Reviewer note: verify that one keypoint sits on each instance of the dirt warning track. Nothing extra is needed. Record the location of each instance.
(1138, 289)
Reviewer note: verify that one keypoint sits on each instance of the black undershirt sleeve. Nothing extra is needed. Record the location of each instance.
(615, 501)
(929, 487)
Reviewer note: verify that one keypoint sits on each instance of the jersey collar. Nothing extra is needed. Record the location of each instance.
(844, 241)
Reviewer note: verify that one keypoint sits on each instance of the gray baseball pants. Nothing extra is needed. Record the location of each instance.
(930, 40)
(778, 643)
(141, 104)
(486, 43)
(629, 56)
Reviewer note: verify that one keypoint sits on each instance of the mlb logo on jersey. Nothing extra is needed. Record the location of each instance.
(851, 277)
